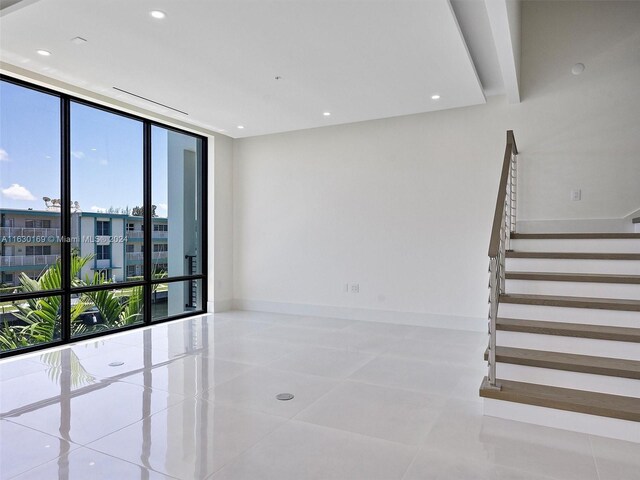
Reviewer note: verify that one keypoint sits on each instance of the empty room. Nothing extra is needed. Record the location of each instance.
(319, 239)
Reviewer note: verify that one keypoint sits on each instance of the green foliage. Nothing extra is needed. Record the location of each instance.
(132, 311)
(42, 316)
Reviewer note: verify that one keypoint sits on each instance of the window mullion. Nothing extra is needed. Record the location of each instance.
(65, 212)
(147, 221)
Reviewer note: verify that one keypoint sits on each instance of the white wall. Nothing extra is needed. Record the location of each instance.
(403, 206)
(580, 131)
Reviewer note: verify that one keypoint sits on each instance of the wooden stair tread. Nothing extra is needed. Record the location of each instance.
(592, 403)
(572, 302)
(613, 367)
(573, 255)
(573, 277)
(580, 330)
(573, 236)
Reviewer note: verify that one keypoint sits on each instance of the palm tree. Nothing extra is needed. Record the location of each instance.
(113, 311)
(42, 315)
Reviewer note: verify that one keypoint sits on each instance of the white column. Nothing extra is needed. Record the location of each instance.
(182, 221)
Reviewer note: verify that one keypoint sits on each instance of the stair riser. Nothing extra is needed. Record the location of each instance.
(579, 346)
(570, 315)
(577, 422)
(575, 289)
(626, 245)
(579, 381)
(623, 267)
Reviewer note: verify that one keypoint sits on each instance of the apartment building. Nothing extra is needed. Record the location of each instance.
(30, 243)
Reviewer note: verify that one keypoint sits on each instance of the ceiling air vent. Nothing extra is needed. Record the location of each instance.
(149, 100)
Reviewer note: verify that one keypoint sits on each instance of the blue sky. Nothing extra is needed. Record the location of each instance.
(106, 154)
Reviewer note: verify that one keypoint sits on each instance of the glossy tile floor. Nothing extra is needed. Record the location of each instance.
(195, 399)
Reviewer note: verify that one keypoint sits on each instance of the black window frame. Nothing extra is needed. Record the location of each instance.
(66, 291)
(160, 247)
(103, 252)
(37, 223)
(101, 230)
(34, 250)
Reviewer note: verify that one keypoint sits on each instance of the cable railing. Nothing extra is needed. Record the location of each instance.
(504, 222)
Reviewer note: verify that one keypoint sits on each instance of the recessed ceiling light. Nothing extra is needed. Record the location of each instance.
(578, 68)
(327, 114)
(44, 53)
(157, 14)
(78, 41)
(435, 97)
(240, 127)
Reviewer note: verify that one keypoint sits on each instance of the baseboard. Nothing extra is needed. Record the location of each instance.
(364, 314)
(219, 306)
(572, 421)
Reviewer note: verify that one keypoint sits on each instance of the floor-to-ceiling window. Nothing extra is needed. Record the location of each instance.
(101, 219)
(176, 232)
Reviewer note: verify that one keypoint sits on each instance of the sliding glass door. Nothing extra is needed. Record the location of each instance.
(101, 219)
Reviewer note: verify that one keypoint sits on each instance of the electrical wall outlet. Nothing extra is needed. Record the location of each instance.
(576, 195)
(355, 288)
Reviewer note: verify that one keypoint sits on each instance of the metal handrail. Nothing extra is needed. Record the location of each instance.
(504, 223)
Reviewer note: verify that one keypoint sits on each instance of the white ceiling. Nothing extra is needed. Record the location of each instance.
(217, 60)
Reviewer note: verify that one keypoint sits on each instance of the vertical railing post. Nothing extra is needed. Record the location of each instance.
(494, 280)
(514, 190)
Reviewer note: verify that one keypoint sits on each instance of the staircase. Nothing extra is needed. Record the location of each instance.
(564, 326)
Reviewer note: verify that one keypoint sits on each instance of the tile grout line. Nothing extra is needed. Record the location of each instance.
(593, 456)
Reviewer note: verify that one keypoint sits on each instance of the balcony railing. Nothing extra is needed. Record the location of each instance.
(27, 232)
(140, 255)
(140, 234)
(27, 260)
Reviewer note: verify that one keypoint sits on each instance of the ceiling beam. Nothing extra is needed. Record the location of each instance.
(504, 18)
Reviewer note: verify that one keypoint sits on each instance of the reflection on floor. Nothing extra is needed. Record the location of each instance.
(195, 399)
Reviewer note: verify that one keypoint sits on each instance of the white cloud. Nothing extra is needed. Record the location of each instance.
(4, 156)
(98, 209)
(17, 192)
(78, 154)
(163, 206)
